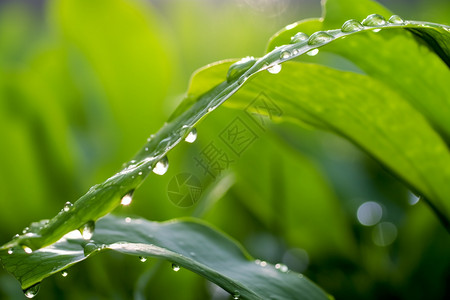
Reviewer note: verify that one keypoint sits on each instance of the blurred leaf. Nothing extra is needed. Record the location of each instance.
(189, 244)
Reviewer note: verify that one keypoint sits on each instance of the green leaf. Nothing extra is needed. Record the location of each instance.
(103, 198)
(190, 244)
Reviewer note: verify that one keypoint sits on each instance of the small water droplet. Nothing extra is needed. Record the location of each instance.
(27, 249)
(10, 251)
(319, 37)
(376, 30)
(295, 52)
(263, 263)
(192, 254)
(127, 220)
(25, 230)
(275, 69)
(374, 20)
(67, 206)
(87, 230)
(257, 261)
(396, 20)
(161, 166)
(64, 274)
(32, 291)
(313, 52)
(15, 236)
(89, 248)
(239, 68)
(299, 37)
(192, 136)
(285, 55)
(236, 295)
(142, 258)
(175, 267)
(281, 267)
(127, 198)
(351, 25)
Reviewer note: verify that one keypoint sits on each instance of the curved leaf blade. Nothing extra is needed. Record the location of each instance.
(190, 244)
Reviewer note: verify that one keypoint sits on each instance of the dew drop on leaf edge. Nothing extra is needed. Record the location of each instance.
(319, 38)
(67, 206)
(374, 20)
(351, 26)
(240, 67)
(395, 19)
(312, 52)
(64, 274)
(127, 198)
(299, 37)
(275, 69)
(192, 136)
(32, 291)
(161, 166)
(175, 267)
(142, 258)
(87, 230)
(89, 248)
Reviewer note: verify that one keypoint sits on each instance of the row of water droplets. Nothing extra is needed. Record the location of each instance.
(87, 230)
(301, 42)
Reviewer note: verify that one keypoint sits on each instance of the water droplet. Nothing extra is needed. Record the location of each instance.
(161, 166)
(87, 230)
(192, 254)
(27, 249)
(67, 206)
(15, 236)
(127, 198)
(89, 248)
(10, 251)
(313, 52)
(374, 20)
(142, 258)
(32, 291)
(64, 274)
(239, 68)
(263, 263)
(257, 261)
(175, 267)
(376, 30)
(192, 136)
(396, 20)
(369, 213)
(275, 69)
(25, 230)
(351, 25)
(285, 55)
(281, 267)
(236, 295)
(319, 37)
(294, 52)
(127, 220)
(299, 37)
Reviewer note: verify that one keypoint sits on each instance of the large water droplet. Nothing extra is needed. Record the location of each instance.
(374, 20)
(87, 230)
(285, 55)
(351, 25)
(32, 291)
(369, 213)
(240, 67)
(275, 69)
(67, 206)
(319, 37)
(161, 166)
(89, 248)
(312, 52)
(142, 258)
(192, 136)
(127, 198)
(396, 20)
(299, 37)
(175, 267)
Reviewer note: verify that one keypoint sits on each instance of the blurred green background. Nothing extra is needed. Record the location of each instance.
(84, 83)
